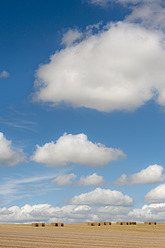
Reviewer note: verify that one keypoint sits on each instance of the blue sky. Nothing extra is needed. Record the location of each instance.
(82, 110)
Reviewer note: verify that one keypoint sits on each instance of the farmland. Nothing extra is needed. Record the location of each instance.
(82, 235)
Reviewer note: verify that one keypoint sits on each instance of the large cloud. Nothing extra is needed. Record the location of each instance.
(67, 214)
(108, 71)
(152, 174)
(102, 197)
(8, 155)
(75, 149)
(156, 195)
(83, 213)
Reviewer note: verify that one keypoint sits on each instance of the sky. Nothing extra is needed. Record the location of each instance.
(82, 111)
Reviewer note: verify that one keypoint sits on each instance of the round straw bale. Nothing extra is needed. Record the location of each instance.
(107, 223)
(41, 224)
(35, 224)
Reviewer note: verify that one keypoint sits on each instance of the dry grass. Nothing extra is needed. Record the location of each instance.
(82, 235)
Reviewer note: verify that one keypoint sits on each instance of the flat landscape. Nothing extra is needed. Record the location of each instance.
(82, 235)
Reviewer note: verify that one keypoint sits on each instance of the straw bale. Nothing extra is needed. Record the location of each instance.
(107, 223)
(150, 223)
(57, 224)
(60, 224)
(102, 224)
(95, 224)
(41, 224)
(125, 223)
(38, 224)
(119, 223)
(35, 224)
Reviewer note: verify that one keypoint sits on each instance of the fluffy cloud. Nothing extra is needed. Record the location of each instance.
(70, 37)
(63, 180)
(67, 214)
(83, 213)
(156, 195)
(107, 71)
(4, 74)
(150, 14)
(153, 212)
(8, 155)
(102, 197)
(93, 179)
(75, 149)
(152, 174)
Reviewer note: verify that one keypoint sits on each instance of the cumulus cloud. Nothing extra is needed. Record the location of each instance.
(82, 213)
(109, 70)
(4, 74)
(67, 214)
(63, 180)
(156, 195)
(102, 197)
(9, 155)
(77, 149)
(153, 212)
(71, 36)
(152, 174)
(93, 179)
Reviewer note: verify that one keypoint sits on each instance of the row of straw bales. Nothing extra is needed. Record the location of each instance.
(57, 224)
(99, 223)
(43, 224)
(126, 223)
(150, 223)
(38, 224)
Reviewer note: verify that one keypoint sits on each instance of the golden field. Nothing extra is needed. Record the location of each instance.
(82, 235)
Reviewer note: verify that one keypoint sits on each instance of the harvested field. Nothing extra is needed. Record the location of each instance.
(82, 235)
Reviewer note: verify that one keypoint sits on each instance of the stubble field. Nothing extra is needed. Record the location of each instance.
(81, 235)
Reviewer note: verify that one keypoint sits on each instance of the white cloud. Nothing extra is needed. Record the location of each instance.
(93, 179)
(75, 149)
(107, 71)
(4, 74)
(152, 174)
(67, 214)
(156, 195)
(132, 2)
(83, 213)
(153, 212)
(150, 14)
(71, 36)
(8, 155)
(102, 197)
(63, 180)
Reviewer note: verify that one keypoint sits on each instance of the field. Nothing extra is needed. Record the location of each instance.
(81, 235)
